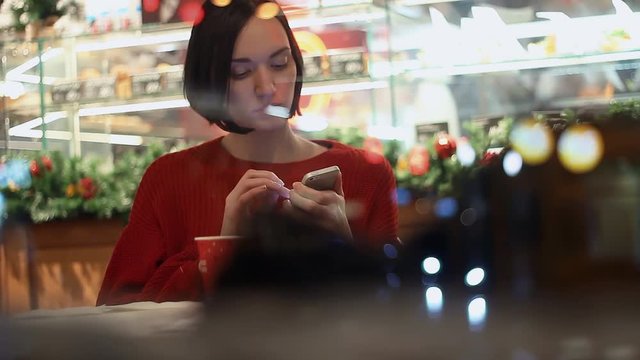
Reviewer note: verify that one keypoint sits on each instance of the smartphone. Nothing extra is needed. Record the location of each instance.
(322, 179)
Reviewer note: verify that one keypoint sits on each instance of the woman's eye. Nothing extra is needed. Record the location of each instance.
(280, 63)
(239, 74)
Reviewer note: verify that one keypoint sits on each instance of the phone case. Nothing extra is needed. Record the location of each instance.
(322, 179)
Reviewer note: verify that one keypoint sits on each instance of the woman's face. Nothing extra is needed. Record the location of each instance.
(262, 73)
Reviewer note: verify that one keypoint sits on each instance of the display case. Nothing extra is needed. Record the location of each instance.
(394, 69)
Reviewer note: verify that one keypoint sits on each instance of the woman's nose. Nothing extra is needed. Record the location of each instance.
(264, 82)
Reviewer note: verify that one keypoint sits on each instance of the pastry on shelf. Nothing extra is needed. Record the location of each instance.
(123, 81)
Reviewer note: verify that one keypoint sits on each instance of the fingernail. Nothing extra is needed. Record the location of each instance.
(285, 193)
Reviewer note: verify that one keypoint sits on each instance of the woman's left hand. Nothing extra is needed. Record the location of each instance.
(325, 209)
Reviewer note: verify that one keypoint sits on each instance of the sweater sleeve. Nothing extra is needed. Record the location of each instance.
(382, 224)
(140, 269)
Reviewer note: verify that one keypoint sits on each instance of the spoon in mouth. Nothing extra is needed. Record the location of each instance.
(279, 111)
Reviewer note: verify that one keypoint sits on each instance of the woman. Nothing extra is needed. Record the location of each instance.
(240, 65)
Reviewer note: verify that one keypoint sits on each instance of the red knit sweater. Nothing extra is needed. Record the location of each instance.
(182, 195)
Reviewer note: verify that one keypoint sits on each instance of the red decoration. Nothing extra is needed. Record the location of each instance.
(150, 5)
(46, 161)
(445, 146)
(488, 158)
(34, 169)
(87, 188)
(191, 12)
(418, 160)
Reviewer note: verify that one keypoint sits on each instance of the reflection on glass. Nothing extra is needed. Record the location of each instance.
(477, 313)
(512, 163)
(431, 265)
(434, 300)
(474, 277)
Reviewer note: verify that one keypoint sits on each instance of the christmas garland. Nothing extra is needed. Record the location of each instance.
(50, 186)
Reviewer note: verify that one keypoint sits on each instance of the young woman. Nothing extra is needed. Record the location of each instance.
(242, 63)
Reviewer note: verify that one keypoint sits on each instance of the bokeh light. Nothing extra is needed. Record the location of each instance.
(434, 301)
(267, 11)
(533, 141)
(468, 217)
(390, 251)
(477, 313)
(580, 148)
(15, 174)
(221, 3)
(393, 280)
(431, 265)
(465, 153)
(403, 196)
(446, 208)
(474, 277)
(310, 122)
(423, 206)
(512, 163)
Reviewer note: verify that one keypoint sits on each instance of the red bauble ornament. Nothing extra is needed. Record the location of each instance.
(87, 188)
(418, 159)
(445, 146)
(34, 169)
(488, 158)
(46, 161)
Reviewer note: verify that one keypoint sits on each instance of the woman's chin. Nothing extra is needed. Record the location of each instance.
(271, 123)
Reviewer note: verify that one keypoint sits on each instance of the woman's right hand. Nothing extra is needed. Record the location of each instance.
(256, 191)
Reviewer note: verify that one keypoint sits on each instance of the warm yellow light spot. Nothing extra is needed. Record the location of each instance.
(221, 3)
(267, 11)
(580, 148)
(533, 141)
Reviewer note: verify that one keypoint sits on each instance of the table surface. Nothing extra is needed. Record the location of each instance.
(344, 321)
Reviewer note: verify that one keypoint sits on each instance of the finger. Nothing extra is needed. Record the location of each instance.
(266, 201)
(323, 197)
(307, 205)
(248, 197)
(256, 174)
(248, 184)
(295, 213)
(338, 185)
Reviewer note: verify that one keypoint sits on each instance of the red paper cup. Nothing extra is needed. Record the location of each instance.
(214, 254)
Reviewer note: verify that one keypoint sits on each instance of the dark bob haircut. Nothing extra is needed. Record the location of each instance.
(208, 61)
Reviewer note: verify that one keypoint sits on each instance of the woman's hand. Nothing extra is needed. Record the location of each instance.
(256, 191)
(325, 209)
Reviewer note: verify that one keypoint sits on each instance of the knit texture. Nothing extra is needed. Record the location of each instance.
(182, 196)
